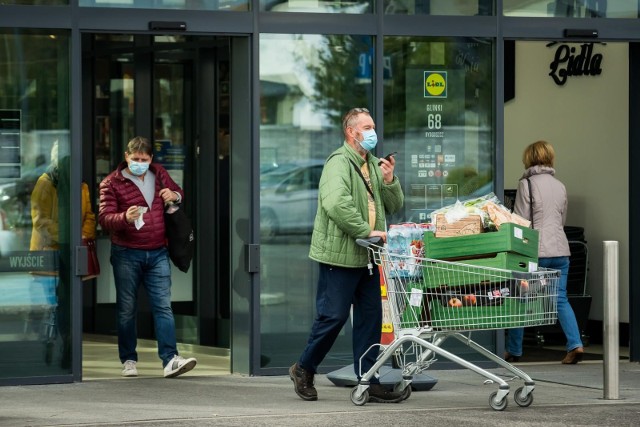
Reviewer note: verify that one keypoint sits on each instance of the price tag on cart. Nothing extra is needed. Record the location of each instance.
(416, 297)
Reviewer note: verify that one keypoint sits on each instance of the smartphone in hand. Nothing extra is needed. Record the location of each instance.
(388, 157)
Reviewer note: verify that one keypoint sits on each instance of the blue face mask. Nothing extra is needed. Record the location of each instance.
(369, 139)
(138, 168)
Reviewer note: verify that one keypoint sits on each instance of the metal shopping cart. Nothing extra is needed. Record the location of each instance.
(445, 299)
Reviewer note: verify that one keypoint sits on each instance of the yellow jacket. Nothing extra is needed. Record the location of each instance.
(44, 215)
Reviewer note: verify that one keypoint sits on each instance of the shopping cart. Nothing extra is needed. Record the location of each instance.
(445, 299)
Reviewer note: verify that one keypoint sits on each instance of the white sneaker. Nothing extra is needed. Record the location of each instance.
(130, 369)
(178, 366)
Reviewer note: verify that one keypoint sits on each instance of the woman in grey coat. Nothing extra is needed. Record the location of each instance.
(543, 200)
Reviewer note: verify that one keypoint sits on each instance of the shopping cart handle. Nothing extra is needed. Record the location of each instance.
(370, 241)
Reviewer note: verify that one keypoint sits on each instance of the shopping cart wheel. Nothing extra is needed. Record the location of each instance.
(406, 393)
(495, 405)
(359, 400)
(522, 400)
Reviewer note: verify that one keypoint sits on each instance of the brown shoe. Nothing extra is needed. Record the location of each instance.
(573, 357)
(303, 382)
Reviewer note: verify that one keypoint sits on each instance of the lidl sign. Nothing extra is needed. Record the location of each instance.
(435, 84)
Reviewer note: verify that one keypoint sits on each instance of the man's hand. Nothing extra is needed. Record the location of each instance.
(168, 196)
(376, 233)
(132, 214)
(387, 167)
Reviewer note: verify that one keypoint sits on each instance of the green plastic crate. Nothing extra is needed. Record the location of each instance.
(413, 316)
(510, 238)
(512, 313)
(436, 273)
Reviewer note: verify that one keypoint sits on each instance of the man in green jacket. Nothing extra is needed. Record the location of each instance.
(356, 191)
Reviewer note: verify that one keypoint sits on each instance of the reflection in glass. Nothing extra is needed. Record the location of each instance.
(439, 117)
(232, 5)
(34, 114)
(439, 7)
(113, 100)
(36, 2)
(315, 6)
(572, 8)
(307, 82)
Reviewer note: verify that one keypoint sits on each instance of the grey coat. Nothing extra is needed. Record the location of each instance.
(549, 209)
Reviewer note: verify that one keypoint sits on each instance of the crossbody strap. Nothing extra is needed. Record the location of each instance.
(530, 201)
(363, 178)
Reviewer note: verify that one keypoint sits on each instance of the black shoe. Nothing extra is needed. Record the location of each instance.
(511, 358)
(303, 382)
(379, 394)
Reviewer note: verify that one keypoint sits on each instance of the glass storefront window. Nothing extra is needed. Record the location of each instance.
(439, 117)
(35, 300)
(439, 7)
(307, 82)
(572, 8)
(315, 6)
(36, 2)
(232, 5)
(438, 104)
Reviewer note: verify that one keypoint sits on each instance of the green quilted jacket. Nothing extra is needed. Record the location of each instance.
(343, 214)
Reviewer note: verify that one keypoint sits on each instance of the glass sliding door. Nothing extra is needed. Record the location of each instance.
(35, 256)
(174, 90)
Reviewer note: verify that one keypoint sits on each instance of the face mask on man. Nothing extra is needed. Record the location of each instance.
(138, 168)
(369, 139)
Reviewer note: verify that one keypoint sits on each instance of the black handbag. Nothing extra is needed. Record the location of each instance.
(180, 236)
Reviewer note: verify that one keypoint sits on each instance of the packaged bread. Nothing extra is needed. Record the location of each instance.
(499, 215)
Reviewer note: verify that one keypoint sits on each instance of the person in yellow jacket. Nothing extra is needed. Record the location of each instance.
(45, 237)
(44, 209)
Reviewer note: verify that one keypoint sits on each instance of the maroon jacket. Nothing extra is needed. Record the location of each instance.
(118, 193)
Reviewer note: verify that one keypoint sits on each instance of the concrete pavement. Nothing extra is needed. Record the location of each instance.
(564, 395)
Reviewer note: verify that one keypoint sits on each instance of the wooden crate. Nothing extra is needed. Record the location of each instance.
(469, 225)
(510, 238)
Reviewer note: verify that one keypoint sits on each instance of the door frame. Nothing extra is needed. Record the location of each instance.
(240, 63)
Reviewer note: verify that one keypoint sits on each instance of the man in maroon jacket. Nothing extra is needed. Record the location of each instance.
(132, 203)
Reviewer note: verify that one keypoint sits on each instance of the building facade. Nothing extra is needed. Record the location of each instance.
(243, 101)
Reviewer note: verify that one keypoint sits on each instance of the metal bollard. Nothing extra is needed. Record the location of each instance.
(610, 327)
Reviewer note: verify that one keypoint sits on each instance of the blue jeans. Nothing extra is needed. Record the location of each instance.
(132, 268)
(338, 289)
(566, 317)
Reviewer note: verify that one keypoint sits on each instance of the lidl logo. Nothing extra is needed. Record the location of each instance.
(435, 84)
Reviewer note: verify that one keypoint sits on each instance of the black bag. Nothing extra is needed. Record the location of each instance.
(180, 237)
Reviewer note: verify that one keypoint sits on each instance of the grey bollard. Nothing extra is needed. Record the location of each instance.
(610, 323)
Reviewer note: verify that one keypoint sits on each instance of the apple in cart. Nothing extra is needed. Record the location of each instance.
(455, 302)
(524, 286)
(469, 299)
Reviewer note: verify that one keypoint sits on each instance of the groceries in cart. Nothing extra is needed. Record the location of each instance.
(405, 243)
(473, 216)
